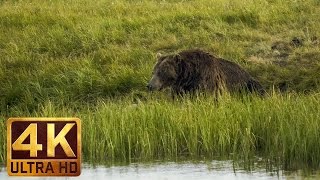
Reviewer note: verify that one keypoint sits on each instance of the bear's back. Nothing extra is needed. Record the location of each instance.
(208, 63)
(198, 58)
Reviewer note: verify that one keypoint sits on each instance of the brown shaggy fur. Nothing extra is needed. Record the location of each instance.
(193, 70)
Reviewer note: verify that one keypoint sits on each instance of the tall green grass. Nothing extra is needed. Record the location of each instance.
(93, 60)
(284, 130)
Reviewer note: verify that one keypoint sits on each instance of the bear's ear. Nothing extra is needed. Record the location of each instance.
(177, 57)
(159, 55)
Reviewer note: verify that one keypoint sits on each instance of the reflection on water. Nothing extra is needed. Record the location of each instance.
(185, 170)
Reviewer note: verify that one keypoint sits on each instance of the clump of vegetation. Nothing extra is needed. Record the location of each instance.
(93, 60)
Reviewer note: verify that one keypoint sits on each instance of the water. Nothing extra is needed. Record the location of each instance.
(170, 170)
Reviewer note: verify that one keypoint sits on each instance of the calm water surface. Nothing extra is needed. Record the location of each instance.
(170, 170)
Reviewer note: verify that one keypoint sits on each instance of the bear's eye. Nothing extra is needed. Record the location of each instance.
(168, 74)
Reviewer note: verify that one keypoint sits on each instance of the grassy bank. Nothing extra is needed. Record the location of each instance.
(93, 60)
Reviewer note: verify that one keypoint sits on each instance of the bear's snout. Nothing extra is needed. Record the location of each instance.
(154, 83)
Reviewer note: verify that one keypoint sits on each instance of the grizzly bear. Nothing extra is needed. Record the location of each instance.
(196, 70)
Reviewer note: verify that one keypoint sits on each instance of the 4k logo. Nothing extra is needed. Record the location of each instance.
(44, 146)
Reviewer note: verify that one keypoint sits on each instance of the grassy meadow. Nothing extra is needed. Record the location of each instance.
(92, 60)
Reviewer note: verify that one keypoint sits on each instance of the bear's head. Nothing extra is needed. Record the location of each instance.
(164, 72)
